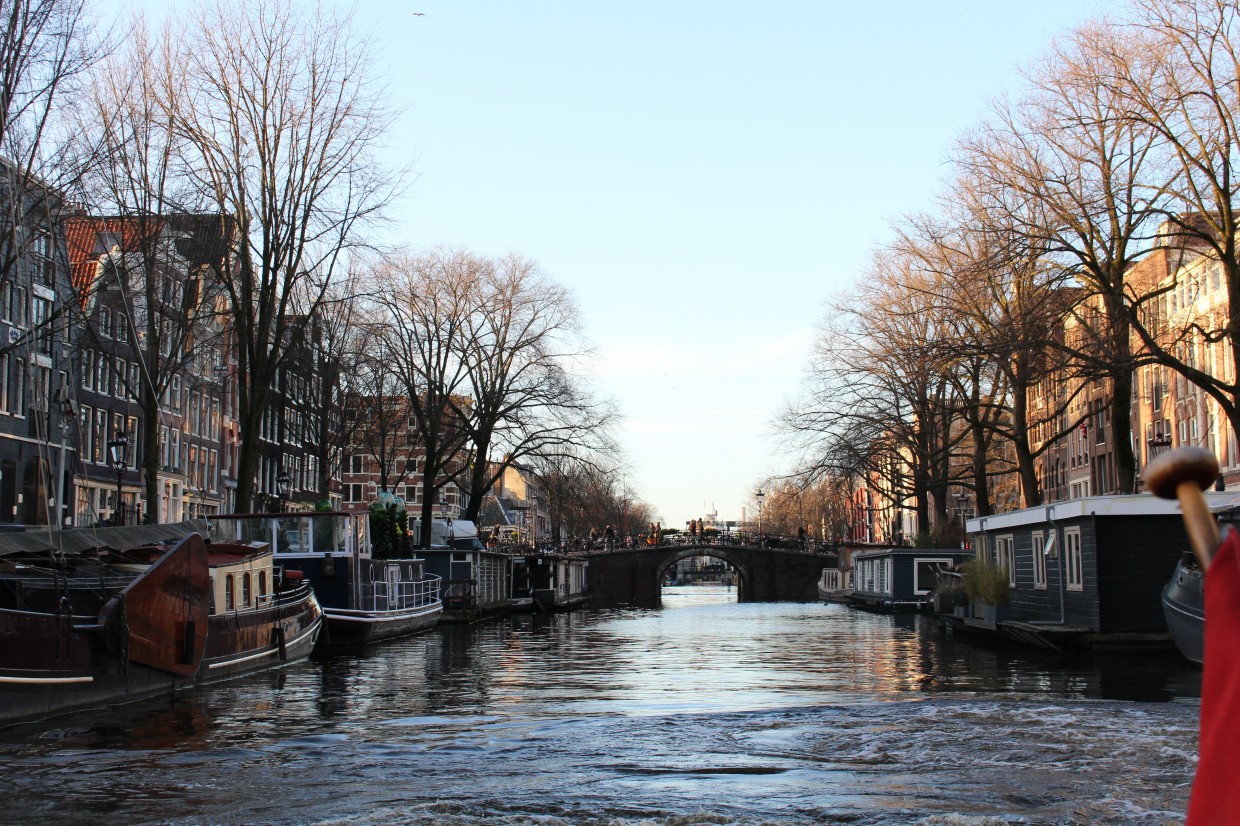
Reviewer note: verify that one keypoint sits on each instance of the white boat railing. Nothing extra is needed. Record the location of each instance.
(402, 595)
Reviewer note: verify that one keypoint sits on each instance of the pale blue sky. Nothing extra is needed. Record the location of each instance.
(702, 175)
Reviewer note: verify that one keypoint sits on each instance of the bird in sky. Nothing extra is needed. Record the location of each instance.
(417, 14)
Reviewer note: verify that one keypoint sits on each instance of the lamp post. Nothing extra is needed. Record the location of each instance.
(116, 451)
(68, 411)
(761, 494)
(282, 482)
(961, 498)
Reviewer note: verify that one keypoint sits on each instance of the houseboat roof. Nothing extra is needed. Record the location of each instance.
(904, 550)
(1121, 505)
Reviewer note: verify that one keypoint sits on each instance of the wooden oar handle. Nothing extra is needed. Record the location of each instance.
(1183, 474)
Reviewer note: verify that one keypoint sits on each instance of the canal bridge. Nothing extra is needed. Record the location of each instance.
(762, 574)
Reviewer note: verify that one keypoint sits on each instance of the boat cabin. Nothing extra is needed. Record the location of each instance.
(242, 578)
(1098, 563)
(893, 580)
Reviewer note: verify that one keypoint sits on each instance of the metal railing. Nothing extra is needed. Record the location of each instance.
(402, 594)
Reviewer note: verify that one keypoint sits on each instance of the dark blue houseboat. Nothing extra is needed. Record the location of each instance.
(894, 580)
(1094, 570)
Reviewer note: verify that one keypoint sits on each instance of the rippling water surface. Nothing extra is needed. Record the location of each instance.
(704, 711)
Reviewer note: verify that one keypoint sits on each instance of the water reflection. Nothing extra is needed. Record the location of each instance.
(607, 713)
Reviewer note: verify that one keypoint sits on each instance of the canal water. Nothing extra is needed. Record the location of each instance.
(702, 712)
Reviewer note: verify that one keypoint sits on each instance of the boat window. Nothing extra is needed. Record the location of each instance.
(229, 603)
(262, 584)
(245, 590)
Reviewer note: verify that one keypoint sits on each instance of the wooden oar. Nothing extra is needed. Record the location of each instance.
(1183, 474)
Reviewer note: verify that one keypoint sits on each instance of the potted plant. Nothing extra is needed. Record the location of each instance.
(987, 585)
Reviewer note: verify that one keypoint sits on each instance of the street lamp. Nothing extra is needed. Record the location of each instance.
(961, 498)
(760, 496)
(1157, 444)
(282, 482)
(116, 451)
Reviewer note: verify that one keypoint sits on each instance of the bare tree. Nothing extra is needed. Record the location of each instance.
(285, 115)
(428, 300)
(160, 264)
(880, 398)
(1176, 63)
(1067, 167)
(520, 346)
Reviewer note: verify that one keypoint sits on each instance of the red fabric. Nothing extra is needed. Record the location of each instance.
(1216, 791)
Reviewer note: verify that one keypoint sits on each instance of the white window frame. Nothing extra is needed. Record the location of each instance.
(1005, 556)
(1074, 575)
(918, 562)
(1037, 541)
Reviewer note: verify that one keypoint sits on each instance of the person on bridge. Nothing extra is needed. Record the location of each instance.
(693, 528)
(609, 538)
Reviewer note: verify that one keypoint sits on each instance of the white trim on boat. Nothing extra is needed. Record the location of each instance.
(267, 653)
(386, 616)
(46, 680)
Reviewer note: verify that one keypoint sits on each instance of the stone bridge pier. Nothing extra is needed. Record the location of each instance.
(763, 574)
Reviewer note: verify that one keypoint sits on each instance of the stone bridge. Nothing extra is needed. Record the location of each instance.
(763, 574)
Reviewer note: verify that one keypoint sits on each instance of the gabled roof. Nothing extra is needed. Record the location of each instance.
(197, 239)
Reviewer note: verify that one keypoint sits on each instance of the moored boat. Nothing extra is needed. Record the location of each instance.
(260, 616)
(76, 632)
(365, 597)
(1183, 601)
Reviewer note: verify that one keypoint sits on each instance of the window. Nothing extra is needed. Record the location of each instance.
(1038, 545)
(245, 590)
(105, 322)
(262, 584)
(101, 373)
(18, 309)
(1072, 559)
(1005, 557)
(101, 437)
(17, 393)
(926, 573)
(355, 463)
(88, 369)
(85, 432)
(133, 380)
(229, 597)
(43, 324)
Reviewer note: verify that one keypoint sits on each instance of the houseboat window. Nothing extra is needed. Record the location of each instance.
(245, 590)
(1037, 543)
(1005, 557)
(1072, 559)
(926, 573)
(262, 584)
(229, 598)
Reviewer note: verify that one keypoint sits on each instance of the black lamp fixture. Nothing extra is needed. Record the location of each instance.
(116, 452)
(282, 483)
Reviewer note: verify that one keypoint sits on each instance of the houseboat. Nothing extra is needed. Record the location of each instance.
(544, 580)
(78, 633)
(1093, 571)
(476, 581)
(899, 580)
(261, 616)
(835, 585)
(140, 614)
(366, 594)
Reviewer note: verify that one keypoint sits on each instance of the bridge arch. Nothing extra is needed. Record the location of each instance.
(712, 551)
(763, 574)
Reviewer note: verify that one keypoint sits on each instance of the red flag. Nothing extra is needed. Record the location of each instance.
(1216, 791)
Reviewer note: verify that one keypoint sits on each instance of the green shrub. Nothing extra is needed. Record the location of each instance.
(986, 582)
